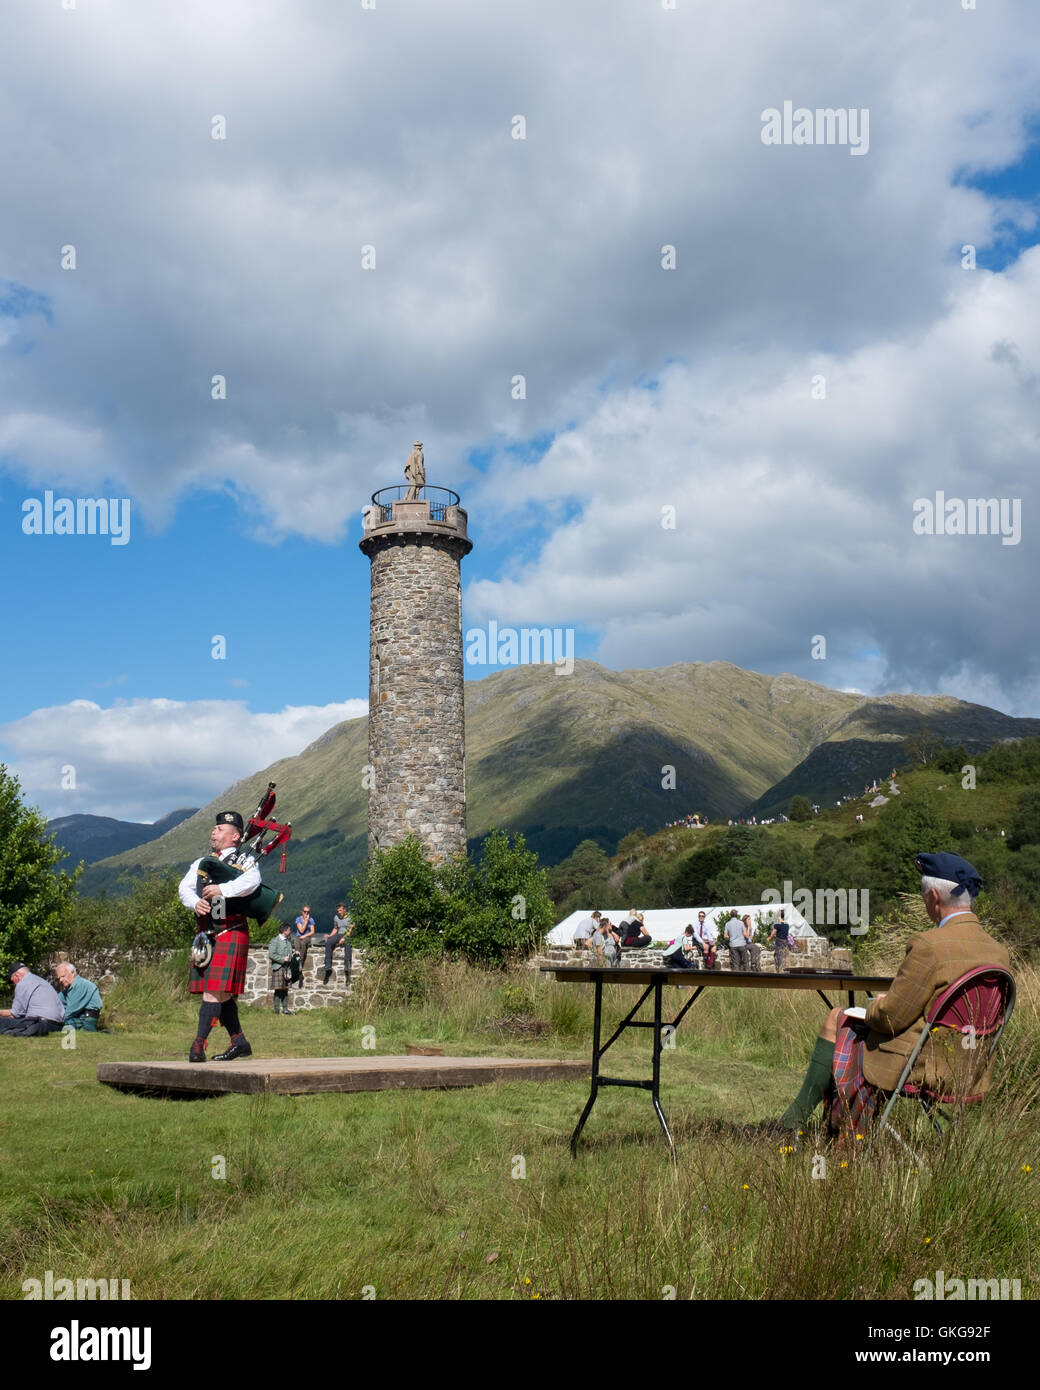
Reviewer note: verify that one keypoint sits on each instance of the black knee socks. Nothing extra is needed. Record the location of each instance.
(229, 1017)
(208, 1015)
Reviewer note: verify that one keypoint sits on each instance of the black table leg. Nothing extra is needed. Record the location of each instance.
(595, 1067)
(656, 1087)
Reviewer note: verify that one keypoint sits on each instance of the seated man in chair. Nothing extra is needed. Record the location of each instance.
(856, 1059)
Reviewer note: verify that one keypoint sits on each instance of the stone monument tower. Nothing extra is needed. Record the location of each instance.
(415, 537)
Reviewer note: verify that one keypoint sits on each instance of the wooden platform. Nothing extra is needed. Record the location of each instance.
(305, 1075)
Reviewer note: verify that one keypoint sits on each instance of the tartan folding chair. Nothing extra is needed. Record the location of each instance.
(977, 1006)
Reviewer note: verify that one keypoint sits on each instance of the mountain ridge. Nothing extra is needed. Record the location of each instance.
(551, 754)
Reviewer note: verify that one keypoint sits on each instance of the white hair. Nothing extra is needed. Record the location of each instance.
(946, 889)
(68, 966)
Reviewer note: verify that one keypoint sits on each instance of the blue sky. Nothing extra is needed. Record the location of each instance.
(649, 391)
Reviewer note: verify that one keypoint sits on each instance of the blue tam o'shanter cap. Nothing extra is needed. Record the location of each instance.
(952, 868)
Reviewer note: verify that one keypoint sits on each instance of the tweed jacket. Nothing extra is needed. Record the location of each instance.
(933, 960)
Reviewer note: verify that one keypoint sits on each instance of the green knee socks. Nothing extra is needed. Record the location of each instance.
(814, 1087)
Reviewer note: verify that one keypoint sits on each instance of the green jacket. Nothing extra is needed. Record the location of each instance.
(279, 949)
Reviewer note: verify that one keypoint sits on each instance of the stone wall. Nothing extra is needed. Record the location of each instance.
(416, 724)
(814, 950)
(102, 964)
(310, 993)
(105, 966)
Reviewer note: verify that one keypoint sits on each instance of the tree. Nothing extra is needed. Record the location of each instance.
(33, 897)
(584, 872)
(498, 906)
(150, 917)
(799, 809)
(1025, 828)
(922, 746)
(631, 841)
(397, 903)
(904, 829)
(487, 910)
(951, 760)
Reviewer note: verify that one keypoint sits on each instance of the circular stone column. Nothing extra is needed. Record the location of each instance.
(416, 714)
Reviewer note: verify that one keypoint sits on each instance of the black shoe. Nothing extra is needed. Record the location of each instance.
(198, 1051)
(239, 1048)
(328, 977)
(289, 1013)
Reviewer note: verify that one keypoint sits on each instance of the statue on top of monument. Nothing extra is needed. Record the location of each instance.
(415, 472)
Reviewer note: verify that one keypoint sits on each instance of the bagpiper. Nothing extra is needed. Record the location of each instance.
(218, 965)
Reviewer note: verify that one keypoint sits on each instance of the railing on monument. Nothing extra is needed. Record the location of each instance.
(439, 498)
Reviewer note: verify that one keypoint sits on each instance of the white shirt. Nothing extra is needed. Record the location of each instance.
(585, 928)
(958, 913)
(704, 931)
(247, 882)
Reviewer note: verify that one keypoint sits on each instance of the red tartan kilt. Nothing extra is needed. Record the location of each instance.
(227, 970)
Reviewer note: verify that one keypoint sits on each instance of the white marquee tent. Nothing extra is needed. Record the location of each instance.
(667, 923)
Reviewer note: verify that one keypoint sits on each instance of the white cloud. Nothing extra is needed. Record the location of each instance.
(139, 759)
(794, 515)
(494, 256)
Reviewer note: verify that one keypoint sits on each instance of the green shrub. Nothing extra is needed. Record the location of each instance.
(34, 900)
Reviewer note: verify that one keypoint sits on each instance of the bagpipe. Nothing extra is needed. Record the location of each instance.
(261, 903)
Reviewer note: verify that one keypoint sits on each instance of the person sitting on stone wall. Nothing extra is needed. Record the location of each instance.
(689, 948)
(674, 956)
(634, 935)
(342, 929)
(82, 998)
(583, 931)
(303, 934)
(605, 942)
(704, 939)
(37, 1007)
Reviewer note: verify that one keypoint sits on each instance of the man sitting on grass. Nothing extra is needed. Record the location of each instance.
(81, 998)
(856, 1059)
(36, 1009)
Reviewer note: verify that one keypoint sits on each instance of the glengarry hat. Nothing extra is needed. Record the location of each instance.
(230, 818)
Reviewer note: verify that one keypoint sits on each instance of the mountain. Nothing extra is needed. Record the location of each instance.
(869, 742)
(597, 753)
(96, 837)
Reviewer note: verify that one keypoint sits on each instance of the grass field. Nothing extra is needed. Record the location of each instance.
(413, 1194)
